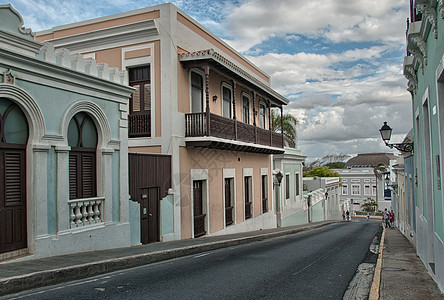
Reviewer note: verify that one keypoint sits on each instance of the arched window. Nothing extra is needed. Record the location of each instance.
(82, 138)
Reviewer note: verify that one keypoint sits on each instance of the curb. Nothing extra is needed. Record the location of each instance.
(376, 285)
(50, 277)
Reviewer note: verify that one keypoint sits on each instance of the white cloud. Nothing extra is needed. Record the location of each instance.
(347, 20)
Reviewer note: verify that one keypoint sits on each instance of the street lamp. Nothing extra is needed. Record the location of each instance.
(277, 182)
(278, 177)
(386, 133)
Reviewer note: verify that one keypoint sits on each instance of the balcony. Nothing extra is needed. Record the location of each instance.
(214, 131)
(139, 124)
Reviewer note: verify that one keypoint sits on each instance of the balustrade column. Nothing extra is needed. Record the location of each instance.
(270, 123)
(282, 126)
(234, 108)
(207, 97)
(254, 117)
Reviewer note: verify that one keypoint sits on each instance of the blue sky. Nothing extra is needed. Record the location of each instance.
(338, 61)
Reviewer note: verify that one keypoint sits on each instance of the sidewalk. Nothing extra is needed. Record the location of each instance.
(403, 274)
(21, 275)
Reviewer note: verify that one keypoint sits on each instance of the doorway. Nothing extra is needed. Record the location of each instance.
(149, 215)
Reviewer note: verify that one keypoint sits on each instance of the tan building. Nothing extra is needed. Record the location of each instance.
(199, 102)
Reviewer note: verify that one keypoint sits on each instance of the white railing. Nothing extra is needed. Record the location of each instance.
(85, 212)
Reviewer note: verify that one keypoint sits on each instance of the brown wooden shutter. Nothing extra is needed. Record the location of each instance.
(73, 186)
(88, 175)
(13, 178)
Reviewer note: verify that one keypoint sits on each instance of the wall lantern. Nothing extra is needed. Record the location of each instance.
(278, 177)
(214, 98)
(386, 133)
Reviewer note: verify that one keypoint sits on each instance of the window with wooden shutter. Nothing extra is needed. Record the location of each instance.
(139, 118)
(82, 137)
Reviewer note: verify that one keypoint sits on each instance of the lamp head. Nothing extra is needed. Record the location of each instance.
(386, 132)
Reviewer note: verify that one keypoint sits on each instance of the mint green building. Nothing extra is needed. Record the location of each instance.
(63, 149)
(424, 69)
(291, 209)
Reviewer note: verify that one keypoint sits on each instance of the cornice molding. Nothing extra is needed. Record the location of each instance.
(428, 11)
(118, 35)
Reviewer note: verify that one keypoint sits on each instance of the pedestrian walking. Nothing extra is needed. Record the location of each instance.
(348, 215)
(343, 215)
(386, 217)
(392, 218)
(368, 216)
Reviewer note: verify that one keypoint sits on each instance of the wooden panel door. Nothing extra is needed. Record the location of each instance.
(199, 216)
(149, 215)
(12, 200)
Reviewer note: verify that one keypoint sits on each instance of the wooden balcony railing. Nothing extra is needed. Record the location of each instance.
(139, 124)
(208, 124)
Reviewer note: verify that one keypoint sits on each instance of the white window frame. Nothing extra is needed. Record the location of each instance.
(202, 74)
(246, 95)
(200, 174)
(259, 114)
(230, 174)
(353, 192)
(344, 188)
(264, 172)
(248, 172)
(373, 190)
(226, 85)
(366, 189)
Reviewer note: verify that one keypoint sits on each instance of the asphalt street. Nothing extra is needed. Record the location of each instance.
(316, 264)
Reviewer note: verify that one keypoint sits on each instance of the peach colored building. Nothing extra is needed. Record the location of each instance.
(199, 102)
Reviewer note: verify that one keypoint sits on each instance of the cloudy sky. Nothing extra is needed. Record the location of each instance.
(338, 61)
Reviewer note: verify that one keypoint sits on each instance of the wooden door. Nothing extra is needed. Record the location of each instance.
(228, 202)
(12, 200)
(149, 215)
(199, 216)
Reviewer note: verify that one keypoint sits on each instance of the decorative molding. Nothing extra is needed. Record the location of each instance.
(30, 108)
(98, 116)
(8, 77)
(428, 11)
(420, 49)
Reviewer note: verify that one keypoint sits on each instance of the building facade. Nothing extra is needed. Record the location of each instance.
(197, 101)
(362, 179)
(63, 148)
(291, 208)
(327, 189)
(424, 69)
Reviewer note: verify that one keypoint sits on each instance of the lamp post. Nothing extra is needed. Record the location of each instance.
(277, 183)
(325, 205)
(386, 133)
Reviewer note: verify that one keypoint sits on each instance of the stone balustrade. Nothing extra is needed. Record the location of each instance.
(85, 212)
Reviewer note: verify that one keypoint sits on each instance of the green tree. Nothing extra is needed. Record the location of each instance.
(369, 205)
(336, 165)
(321, 171)
(289, 127)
